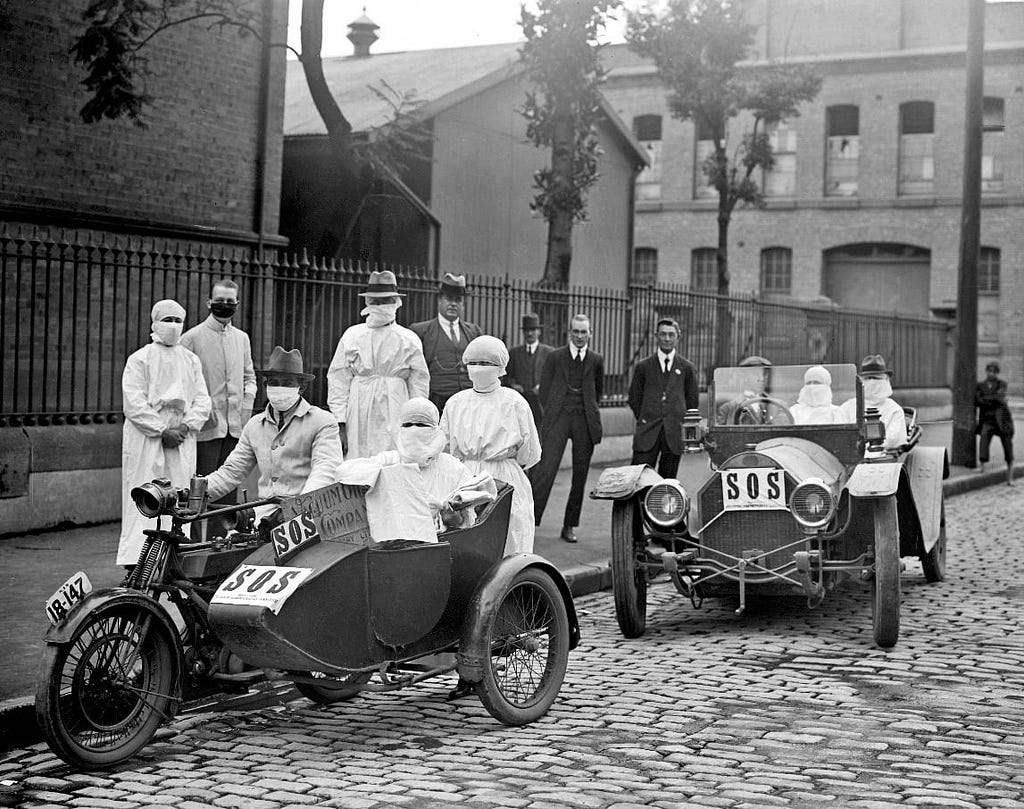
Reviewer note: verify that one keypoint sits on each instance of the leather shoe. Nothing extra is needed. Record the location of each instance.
(463, 689)
(568, 534)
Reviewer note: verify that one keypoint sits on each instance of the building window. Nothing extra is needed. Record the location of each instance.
(645, 265)
(780, 180)
(776, 270)
(702, 189)
(917, 163)
(992, 145)
(704, 270)
(647, 129)
(988, 270)
(842, 150)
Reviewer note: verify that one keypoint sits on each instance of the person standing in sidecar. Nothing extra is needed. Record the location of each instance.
(491, 429)
(377, 366)
(875, 381)
(663, 388)
(292, 443)
(165, 407)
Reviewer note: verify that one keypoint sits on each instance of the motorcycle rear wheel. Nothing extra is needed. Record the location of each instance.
(101, 696)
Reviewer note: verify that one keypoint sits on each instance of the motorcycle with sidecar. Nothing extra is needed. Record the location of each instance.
(313, 600)
(761, 503)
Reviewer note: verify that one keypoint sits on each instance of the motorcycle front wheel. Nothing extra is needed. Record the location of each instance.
(101, 696)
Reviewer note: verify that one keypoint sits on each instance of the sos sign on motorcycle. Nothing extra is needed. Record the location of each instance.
(753, 489)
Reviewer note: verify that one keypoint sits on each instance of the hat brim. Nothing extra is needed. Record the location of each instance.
(382, 294)
(278, 372)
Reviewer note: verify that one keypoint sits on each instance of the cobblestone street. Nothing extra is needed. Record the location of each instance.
(780, 707)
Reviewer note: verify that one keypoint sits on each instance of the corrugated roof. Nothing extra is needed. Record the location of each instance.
(439, 77)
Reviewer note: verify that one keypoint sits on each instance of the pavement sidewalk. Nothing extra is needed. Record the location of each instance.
(32, 566)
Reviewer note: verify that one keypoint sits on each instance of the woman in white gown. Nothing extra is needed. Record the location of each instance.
(490, 428)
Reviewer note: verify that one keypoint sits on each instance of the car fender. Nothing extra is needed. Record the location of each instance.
(926, 468)
(622, 482)
(473, 643)
(874, 479)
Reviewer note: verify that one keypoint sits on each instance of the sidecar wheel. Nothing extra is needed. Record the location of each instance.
(629, 578)
(528, 637)
(101, 696)
(885, 584)
(933, 562)
(331, 694)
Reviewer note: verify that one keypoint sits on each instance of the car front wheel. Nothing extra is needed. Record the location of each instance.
(885, 584)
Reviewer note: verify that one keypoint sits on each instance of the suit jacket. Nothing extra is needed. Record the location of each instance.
(660, 400)
(554, 385)
(990, 399)
(523, 374)
(430, 334)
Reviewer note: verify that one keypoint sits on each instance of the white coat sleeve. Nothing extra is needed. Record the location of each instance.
(445, 425)
(199, 411)
(529, 452)
(248, 375)
(235, 469)
(339, 380)
(135, 394)
(895, 427)
(418, 381)
(325, 458)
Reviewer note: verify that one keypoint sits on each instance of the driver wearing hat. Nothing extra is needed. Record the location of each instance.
(293, 444)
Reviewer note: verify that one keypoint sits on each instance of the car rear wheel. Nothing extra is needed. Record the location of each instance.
(629, 577)
(885, 584)
(933, 562)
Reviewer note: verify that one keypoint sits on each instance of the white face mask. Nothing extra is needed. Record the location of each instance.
(484, 377)
(815, 395)
(875, 390)
(281, 398)
(420, 445)
(380, 314)
(167, 332)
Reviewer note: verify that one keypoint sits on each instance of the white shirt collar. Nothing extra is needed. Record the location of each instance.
(578, 352)
(662, 356)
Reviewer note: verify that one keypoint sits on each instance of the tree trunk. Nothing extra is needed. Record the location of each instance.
(723, 317)
(312, 35)
(559, 254)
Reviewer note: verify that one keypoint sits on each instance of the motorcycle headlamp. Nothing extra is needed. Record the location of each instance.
(812, 503)
(155, 498)
(667, 503)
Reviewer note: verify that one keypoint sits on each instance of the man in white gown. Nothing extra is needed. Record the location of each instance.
(874, 377)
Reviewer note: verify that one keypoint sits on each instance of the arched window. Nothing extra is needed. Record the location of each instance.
(645, 265)
(704, 270)
(917, 161)
(776, 270)
(988, 270)
(842, 150)
(647, 129)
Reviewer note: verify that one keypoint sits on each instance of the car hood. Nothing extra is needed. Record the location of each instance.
(803, 459)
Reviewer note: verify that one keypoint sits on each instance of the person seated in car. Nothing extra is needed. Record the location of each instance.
(814, 404)
(875, 381)
(748, 407)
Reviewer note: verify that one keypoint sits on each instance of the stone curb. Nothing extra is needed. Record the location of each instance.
(17, 716)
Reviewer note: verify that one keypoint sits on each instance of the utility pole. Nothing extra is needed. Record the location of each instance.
(966, 369)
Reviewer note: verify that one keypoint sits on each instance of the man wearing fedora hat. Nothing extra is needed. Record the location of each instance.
(292, 443)
(524, 365)
(875, 382)
(444, 339)
(377, 367)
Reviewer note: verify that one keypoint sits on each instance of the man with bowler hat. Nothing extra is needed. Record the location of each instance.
(444, 339)
(292, 443)
(571, 385)
(663, 388)
(525, 363)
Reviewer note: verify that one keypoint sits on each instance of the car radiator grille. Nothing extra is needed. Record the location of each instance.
(739, 532)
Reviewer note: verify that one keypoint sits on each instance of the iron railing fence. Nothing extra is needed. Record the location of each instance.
(72, 310)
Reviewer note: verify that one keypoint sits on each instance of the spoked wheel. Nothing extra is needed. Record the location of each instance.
(102, 696)
(629, 577)
(528, 637)
(885, 584)
(328, 694)
(933, 562)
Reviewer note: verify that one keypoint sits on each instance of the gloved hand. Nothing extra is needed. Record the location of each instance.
(171, 437)
(343, 435)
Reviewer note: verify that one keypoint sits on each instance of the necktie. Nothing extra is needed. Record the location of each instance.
(666, 365)
(579, 357)
(452, 334)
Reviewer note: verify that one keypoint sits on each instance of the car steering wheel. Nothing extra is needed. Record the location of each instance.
(762, 410)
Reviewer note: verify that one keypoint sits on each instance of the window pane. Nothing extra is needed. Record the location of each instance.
(704, 270)
(645, 265)
(647, 127)
(843, 119)
(648, 182)
(992, 114)
(917, 167)
(988, 270)
(776, 269)
(780, 181)
(992, 160)
(705, 148)
(917, 118)
(841, 165)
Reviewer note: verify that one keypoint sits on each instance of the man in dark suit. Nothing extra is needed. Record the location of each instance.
(663, 388)
(525, 363)
(571, 385)
(444, 339)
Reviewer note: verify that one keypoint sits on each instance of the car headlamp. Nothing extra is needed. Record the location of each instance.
(667, 503)
(155, 498)
(813, 503)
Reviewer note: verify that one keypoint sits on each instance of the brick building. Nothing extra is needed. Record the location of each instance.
(863, 205)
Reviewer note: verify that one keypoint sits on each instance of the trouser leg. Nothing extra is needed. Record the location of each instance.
(582, 451)
(552, 448)
(210, 456)
(984, 439)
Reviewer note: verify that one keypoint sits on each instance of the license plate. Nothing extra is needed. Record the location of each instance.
(753, 489)
(292, 536)
(260, 586)
(67, 595)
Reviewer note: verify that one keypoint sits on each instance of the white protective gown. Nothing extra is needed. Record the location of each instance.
(494, 432)
(375, 370)
(891, 414)
(162, 387)
(815, 414)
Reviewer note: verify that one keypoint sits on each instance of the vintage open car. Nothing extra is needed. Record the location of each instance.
(763, 503)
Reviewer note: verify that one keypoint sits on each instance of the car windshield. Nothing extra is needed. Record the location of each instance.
(785, 395)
